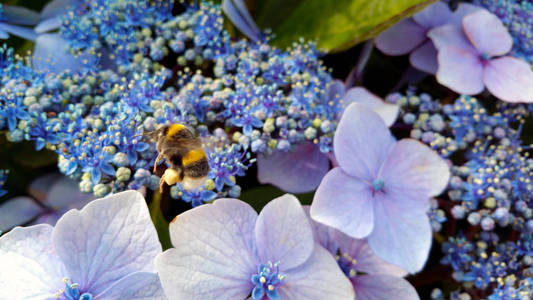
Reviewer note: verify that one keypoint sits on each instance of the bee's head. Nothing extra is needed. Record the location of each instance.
(155, 134)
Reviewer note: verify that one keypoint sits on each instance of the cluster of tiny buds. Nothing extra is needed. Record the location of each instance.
(260, 98)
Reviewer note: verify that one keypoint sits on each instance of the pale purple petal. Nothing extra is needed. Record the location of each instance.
(487, 33)
(450, 36)
(20, 15)
(40, 187)
(240, 17)
(402, 234)
(366, 260)
(295, 172)
(214, 243)
(50, 217)
(361, 142)
(283, 233)
(48, 25)
(434, 15)
(65, 192)
(509, 79)
(58, 7)
(424, 58)
(102, 243)
(387, 111)
(401, 38)
(324, 235)
(137, 286)
(18, 211)
(462, 10)
(319, 278)
(460, 70)
(413, 168)
(336, 90)
(50, 54)
(379, 287)
(344, 203)
(3, 35)
(23, 32)
(30, 266)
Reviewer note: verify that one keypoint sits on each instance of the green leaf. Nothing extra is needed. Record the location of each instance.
(336, 24)
(160, 223)
(259, 196)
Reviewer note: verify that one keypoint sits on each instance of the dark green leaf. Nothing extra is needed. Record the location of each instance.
(259, 196)
(337, 24)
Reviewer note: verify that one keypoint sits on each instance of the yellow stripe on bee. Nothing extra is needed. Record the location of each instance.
(193, 156)
(173, 129)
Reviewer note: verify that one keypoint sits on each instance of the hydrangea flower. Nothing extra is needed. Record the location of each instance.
(473, 57)
(52, 195)
(410, 34)
(230, 252)
(517, 16)
(372, 278)
(381, 189)
(302, 169)
(104, 251)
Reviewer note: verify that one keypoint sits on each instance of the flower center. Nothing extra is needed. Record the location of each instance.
(485, 56)
(378, 184)
(267, 281)
(72, 292)
(347, 263)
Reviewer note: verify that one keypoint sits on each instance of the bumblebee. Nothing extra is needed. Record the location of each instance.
(183, 151)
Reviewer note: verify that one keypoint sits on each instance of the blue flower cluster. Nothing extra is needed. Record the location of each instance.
(506, 267)
(517, 16)
(153, 69)
(490, 190)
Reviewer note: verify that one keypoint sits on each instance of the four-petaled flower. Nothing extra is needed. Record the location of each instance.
(381, 189)
(225, 250)
(472, 57)
(410, 35)
(372, 278)
(104, 251)
(302, 170)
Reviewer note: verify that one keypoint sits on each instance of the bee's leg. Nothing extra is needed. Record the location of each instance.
(159, 157)
(161, 183)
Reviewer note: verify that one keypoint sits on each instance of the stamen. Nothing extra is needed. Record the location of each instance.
(72, 292)
(378, 184)
(267, 281)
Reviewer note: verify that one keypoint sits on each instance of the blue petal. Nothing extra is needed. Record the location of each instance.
(108, 169)
(48, 25)
(132, 156)
(72, 166)
(4, 35)
(23, 32)
(238, 14)
(273, 295)
(95, 175)
(255, 279)
(20, 15)
(247, 129)
(11, 122)
(57, 8)
(39, 144)
(258, 292)
(50, 54)
(141, 147)
(23, 115)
